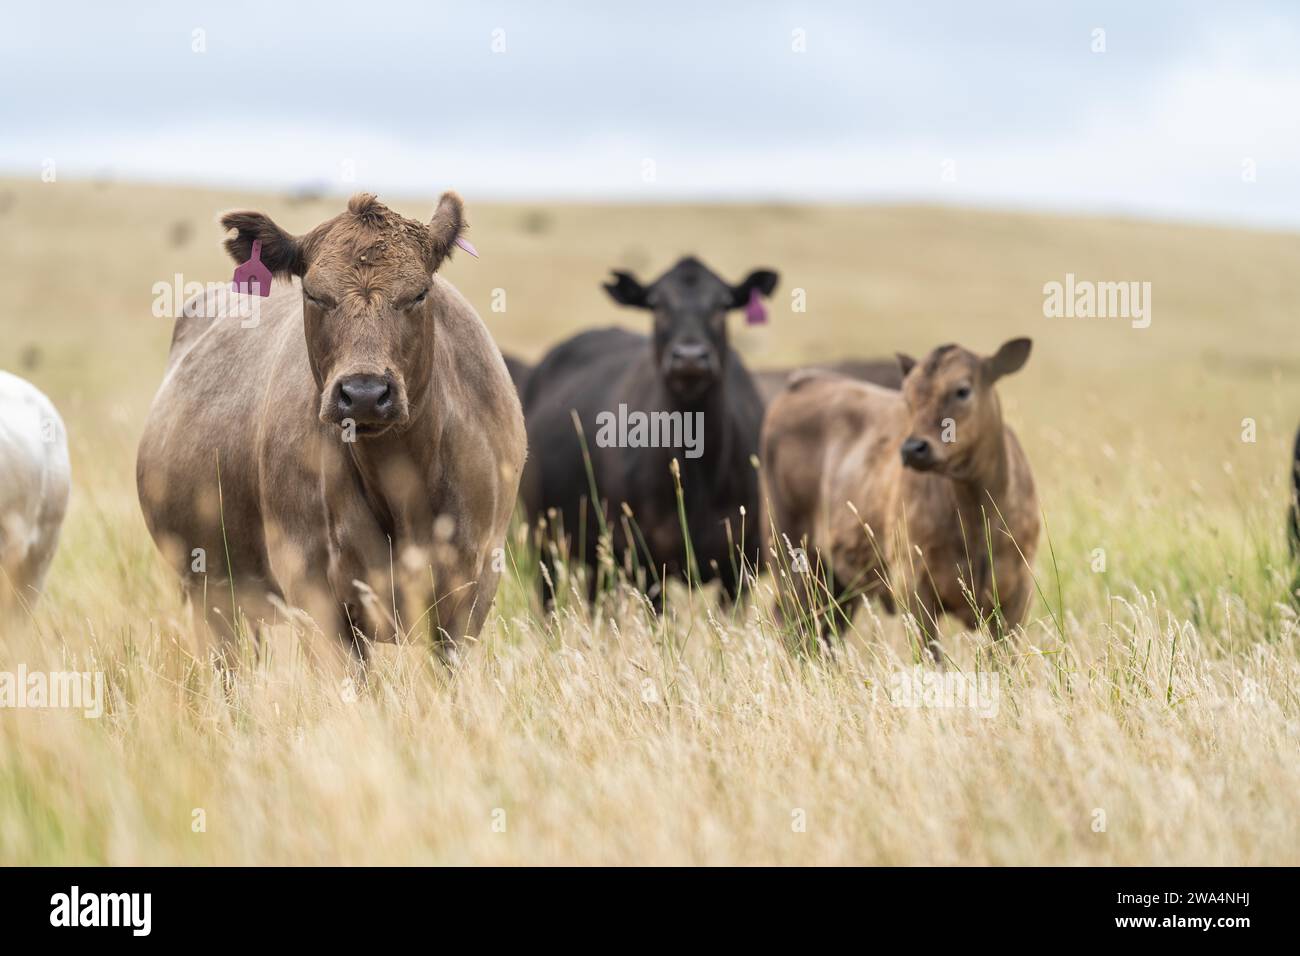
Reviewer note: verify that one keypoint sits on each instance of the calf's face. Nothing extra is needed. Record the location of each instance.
(690, 305)
(953, 410)
(366, 277)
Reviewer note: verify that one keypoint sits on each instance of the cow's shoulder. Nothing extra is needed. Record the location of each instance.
(208, 316)
(590, 364)
(595, 345)
(470, 376)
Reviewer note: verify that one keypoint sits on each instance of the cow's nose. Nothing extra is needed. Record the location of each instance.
(366, 398)
(917, 451)
(690, 356)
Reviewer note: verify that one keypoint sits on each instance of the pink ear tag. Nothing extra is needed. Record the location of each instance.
(467, 246)
(253, 278)
(755, 312)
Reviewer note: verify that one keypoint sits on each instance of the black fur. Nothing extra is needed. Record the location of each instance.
(598, 370)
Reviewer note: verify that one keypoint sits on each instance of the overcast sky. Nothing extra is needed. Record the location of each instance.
(997, 103)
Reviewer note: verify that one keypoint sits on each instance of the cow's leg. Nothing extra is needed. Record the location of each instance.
(1012, 600)
(366, 604)
(323, 622)
(919, 599)
(29, 579)
(361, 560)
(329, 638)
(1016, 607)
(728, 565)
(485, 594)
(808, 584)
(738, 580)
(212, 636)
(461, 600)
(228, 623)
(839, 608)
(546, 581)
(800, 588)
(22, 569)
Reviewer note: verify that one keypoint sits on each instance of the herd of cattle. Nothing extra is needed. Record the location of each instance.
(357, 454)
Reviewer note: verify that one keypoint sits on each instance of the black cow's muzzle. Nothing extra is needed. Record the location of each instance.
(690, 369)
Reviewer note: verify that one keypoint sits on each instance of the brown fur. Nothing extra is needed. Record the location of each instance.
(375, 538)
(883, 372)
(829, 441)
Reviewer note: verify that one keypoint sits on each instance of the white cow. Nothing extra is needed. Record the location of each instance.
(35, 478)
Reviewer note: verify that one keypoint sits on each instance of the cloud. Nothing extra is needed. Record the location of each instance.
(934, 103)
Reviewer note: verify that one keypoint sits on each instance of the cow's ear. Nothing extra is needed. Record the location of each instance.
(1010, 358)
(626, 290)
(281, 252)
(905, 363)
(446, 227)
(762, 281)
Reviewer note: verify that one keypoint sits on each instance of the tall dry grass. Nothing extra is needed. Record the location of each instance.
(1147, 713)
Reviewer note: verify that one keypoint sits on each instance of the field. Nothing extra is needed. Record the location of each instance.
(1147, 715)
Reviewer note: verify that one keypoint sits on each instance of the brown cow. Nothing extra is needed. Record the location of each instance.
(883, 372)
(354, 452)
(924, 494)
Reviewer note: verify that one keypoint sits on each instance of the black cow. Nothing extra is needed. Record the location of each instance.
(713, 410)
(1293, 511)
(519, 371)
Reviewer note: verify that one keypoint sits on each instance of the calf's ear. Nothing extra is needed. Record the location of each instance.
(281, 252)
(626, 290)
(1010, 358)
(905, 363)
(762, 281)
(445, 228)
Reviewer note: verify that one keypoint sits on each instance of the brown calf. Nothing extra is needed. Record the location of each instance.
(922, 494)
(884, 372)
(354, 451)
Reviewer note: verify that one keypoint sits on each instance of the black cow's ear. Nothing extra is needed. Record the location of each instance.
(761, 280)
(905, 363)
(626, 290)
(281, 252)
(1011, 357)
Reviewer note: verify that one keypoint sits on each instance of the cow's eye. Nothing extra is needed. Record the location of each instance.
(318, 301)
(418, 300)
(961, 393)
